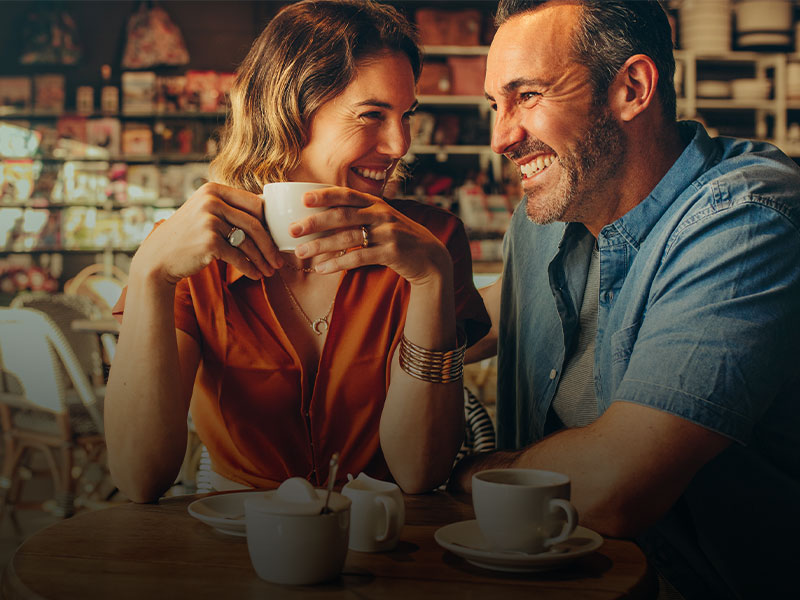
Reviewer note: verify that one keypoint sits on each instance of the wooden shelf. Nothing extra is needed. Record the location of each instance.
(13, 113)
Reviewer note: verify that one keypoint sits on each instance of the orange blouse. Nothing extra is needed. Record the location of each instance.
(249, 406)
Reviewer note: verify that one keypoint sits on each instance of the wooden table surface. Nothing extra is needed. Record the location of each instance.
(160, 551)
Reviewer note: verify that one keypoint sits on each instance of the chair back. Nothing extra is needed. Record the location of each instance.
(63, 310)
(37, 365)
(102, 284)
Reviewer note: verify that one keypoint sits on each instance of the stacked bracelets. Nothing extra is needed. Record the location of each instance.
(431, 365)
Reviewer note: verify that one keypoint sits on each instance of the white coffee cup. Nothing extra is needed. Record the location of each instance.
(297, 549)
(283, 205)
(377, 515)
(525, 510)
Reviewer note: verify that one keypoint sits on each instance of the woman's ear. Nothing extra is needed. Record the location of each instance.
(634, 87)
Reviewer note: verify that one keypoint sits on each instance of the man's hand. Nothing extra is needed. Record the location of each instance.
(461, 477)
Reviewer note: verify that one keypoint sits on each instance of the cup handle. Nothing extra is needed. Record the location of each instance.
(392, 517)
(569, 526)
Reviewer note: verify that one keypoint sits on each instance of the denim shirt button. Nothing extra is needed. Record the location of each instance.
(553, 374)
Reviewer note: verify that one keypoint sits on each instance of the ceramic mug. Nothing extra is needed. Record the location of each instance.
(377, 514)
(297, 549)
(283, 205)
(525, 510)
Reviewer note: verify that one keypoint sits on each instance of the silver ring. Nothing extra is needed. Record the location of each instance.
(236, 237)
(365, 235)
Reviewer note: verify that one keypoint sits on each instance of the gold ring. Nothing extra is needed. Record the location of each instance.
(365, 235)
(236, 237)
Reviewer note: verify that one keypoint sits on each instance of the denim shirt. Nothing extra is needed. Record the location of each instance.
(698, 316)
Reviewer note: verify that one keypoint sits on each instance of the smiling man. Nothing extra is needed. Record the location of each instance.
(647, 320)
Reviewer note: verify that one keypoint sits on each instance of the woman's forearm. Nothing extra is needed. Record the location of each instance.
(146, 399)
(422, 425)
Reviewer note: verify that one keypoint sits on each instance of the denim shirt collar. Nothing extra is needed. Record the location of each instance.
(636, 224)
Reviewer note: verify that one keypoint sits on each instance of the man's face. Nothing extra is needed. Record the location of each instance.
(567, 148)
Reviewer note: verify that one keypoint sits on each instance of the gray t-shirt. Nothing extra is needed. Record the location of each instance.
(575, 402)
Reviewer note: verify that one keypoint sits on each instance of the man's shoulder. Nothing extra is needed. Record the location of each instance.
(745, 174)
(749, 167)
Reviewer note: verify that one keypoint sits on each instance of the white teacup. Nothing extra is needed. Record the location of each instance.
(283, 205)
(525, 510)
(297, 549)
(377, 515)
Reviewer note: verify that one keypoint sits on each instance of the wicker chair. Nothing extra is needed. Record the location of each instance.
(100, 283)
(47, 404)
(63, 309)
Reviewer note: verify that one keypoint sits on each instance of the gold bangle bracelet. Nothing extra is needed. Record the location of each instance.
(432, 366)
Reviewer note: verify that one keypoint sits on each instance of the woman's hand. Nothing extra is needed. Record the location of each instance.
(393, 240)
(198, 232)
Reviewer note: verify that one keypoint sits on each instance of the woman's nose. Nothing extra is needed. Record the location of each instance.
(395, 139)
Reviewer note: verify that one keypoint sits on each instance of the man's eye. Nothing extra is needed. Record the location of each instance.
(525, 96)
(372, 115)
(493, 106)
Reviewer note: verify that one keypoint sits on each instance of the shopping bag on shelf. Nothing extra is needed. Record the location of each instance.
(153, 39)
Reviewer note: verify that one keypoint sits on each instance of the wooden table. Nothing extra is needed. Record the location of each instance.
(160, 551)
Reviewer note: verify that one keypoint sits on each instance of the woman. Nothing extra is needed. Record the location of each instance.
(325, 95)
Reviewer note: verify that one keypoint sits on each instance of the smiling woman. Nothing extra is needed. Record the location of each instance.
(354, 342)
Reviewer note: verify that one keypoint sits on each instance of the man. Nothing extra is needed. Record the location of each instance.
(647, 317)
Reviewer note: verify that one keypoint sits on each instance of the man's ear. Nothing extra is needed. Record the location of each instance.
(634, 87)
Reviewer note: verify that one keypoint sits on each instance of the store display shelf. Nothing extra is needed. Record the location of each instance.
(11, 113)
(456, 50)
(734, 103)
(449, 149)
(173, 158)
(89, 204)
(737, 56)
(8, 251)
(443, 100)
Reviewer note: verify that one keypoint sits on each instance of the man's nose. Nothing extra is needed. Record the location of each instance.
(507, 131)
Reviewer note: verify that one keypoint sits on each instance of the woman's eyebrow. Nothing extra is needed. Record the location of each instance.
(382, 104)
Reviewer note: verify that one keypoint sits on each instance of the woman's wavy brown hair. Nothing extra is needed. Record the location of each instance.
(307, 55)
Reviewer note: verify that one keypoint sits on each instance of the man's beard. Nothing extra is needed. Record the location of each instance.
(586, 170)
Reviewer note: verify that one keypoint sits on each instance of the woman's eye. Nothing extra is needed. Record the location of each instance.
(409, 114)
(372, 115)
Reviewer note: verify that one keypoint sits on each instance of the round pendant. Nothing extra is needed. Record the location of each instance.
(320, 325)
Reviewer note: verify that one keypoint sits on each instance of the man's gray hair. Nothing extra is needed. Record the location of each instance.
(610, 32)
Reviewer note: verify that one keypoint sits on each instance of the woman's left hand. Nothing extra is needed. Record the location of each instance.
(376, 234)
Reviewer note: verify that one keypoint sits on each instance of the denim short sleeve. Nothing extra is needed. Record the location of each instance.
(718, 337)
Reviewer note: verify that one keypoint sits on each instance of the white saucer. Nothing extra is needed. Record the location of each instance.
(466, 540)
(224, 512)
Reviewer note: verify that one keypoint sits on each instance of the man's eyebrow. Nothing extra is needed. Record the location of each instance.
(515, 84)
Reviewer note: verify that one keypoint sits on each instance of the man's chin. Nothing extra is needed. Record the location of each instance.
(542, 212)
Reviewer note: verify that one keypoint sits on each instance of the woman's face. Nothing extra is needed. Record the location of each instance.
(357, 138)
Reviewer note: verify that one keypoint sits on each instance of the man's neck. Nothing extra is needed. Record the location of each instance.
(650, 153)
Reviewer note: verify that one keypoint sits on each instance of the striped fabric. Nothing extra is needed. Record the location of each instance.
(479, 435)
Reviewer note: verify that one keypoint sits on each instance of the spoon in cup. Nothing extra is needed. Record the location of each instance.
(334, 466)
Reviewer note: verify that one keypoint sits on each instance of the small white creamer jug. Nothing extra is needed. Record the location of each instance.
(377, 514)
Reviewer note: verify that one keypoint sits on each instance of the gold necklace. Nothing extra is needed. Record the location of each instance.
(309, 269)
(301, 269)
(320, 325)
